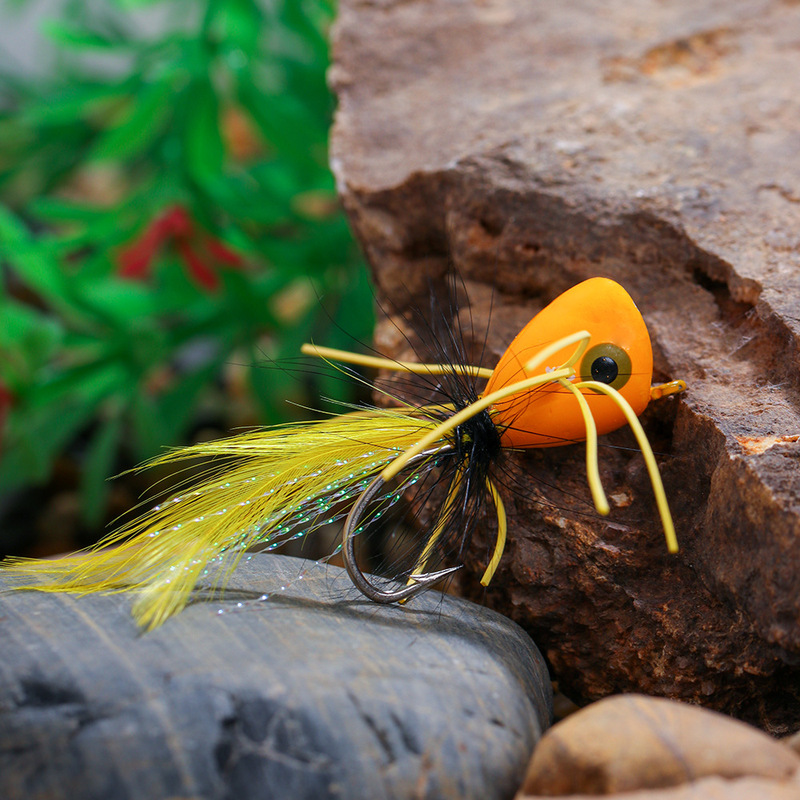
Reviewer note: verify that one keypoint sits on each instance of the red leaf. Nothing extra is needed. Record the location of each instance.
(175, 225)
(134, 262)
(175, 221)
(201, 272)
(223, 253)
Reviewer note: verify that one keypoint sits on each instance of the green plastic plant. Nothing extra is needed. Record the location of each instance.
(168, 224)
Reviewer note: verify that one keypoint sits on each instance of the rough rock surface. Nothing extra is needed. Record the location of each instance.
(532, 145)
(301, 696)
(631, 742)
(704, 789)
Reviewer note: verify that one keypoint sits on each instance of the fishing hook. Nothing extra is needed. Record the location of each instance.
(360, 581)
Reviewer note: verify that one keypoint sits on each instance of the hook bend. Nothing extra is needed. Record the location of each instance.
(419, 583)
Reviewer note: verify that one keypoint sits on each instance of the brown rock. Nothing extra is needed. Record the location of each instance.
(708, 789)
(631, 742)
(793, 742)
(533, 145)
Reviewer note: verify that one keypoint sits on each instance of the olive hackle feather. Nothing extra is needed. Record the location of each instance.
(260, 488)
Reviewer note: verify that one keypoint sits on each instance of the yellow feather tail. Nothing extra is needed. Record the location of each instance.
(266, 487)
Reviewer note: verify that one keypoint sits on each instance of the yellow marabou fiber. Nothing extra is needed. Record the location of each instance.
(265, 483)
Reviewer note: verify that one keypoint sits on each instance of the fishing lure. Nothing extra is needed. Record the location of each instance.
(581, 367)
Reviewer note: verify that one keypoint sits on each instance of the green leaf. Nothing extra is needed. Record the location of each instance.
(274, 388)
(204, 152)
(134, 4)
(247, 206)
(311, 25)
(72, 104)
(284, 122)
(137, 127)
(35, 437)
(121, 302)
(239, 25)
(26, 257)
(178, 405)
(54, 209)
(98, 465)
(70, 36)
(150, 432)
(28, 340)
(88, 383)
(246, 300)
(81, 368)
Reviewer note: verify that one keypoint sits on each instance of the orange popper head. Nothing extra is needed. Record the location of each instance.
(618, 354)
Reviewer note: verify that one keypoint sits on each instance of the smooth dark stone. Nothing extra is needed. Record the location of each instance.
(311, 693)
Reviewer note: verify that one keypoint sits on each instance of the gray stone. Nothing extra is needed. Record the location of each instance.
(311, 693)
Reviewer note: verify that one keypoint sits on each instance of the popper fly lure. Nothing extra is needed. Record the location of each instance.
(581, 367)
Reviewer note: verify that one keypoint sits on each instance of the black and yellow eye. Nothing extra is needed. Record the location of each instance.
(606, 363)
(604, 369)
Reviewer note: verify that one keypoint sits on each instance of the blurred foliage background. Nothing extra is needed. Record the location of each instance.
(169, 236)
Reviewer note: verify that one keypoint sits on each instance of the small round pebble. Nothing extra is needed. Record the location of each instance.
(629, 743)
